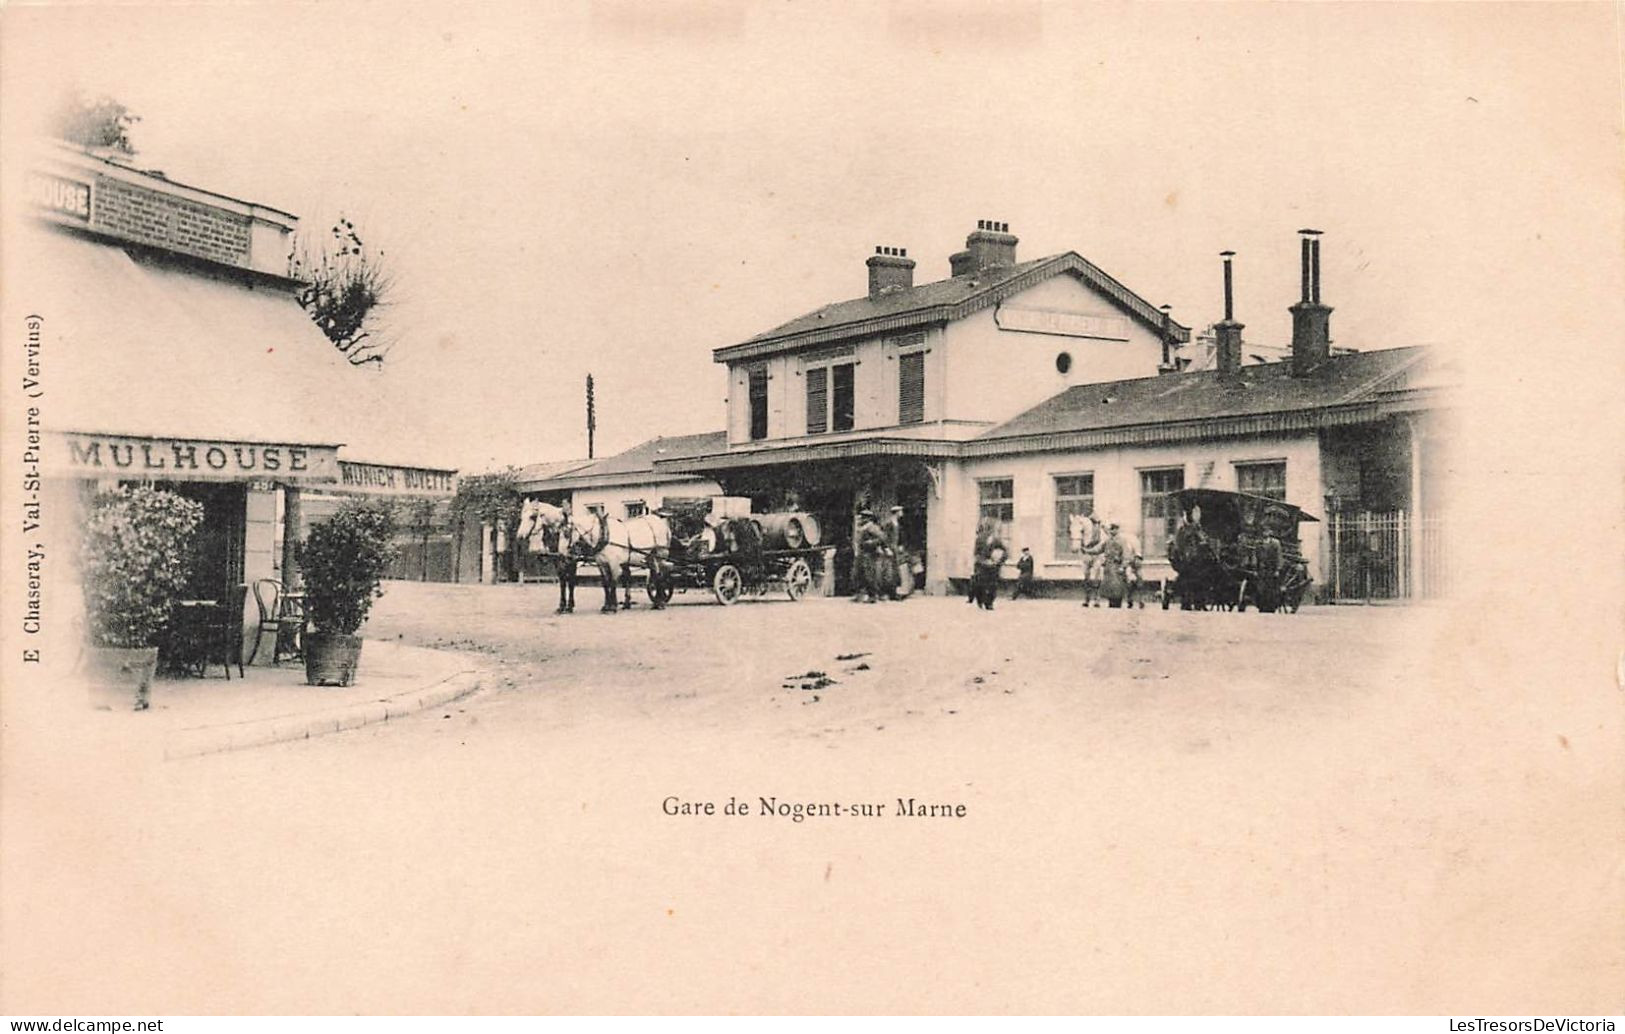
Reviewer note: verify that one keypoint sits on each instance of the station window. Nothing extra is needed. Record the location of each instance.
(998, 499)
(841, 408)
(1074, 496)
(636, 508)
(758, 403)
(829, 398)
(1158, 514)
(1265, 479)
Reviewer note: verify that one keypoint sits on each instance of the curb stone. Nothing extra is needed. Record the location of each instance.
(263, 732)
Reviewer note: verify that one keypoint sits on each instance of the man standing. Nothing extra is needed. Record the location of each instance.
(893, 567)
(870, 544)
(1120, 566)
(990, 555)
(1132, 559)
(1024, 575)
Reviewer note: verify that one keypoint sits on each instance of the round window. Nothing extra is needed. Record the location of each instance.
(1063, 362)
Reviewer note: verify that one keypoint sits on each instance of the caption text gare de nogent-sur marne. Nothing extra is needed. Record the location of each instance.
(798, 811)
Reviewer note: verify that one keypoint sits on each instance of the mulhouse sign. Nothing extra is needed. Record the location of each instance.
(191, 459)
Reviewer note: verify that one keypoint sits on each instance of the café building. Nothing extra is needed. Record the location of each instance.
(164, 343)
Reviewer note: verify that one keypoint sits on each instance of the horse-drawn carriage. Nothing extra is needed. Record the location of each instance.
(1234, 550)
(687, 544)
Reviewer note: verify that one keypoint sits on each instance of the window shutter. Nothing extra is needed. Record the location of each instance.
(843, 392)
(817, 400)
(911, 388)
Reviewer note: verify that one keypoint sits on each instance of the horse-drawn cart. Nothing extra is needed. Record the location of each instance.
(731, 576)
(1233, 550)
(735, 557)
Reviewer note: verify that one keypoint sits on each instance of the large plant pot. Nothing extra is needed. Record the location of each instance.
(330, 660)
(120, 678)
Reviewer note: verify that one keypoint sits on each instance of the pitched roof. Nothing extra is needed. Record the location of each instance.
(1202, 401)
(551, 468)
(941, 301)
(634, 466)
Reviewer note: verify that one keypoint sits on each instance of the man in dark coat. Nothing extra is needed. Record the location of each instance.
(1024, 574)
(990, 554)
(869, 548)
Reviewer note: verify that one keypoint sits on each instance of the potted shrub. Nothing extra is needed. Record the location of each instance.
(134, 562)
(343, 560)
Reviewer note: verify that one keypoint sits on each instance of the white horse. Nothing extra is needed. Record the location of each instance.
(1089, 552)
(550, 531)
(615, 545)
(620, 545)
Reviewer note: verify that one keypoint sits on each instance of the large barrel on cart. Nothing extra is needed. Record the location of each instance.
(795, 530)
(734, 553)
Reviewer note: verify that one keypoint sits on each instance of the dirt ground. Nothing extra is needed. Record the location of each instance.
(1164, 812)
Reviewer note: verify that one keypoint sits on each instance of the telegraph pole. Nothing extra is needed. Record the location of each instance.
(592, 417)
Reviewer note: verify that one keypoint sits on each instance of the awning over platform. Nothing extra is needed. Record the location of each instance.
(811, 452)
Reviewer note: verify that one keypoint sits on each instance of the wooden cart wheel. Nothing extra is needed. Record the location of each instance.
(797, 578)
(727, 584)
(659, 593)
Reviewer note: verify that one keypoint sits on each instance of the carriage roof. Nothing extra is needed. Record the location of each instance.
(1217, 499)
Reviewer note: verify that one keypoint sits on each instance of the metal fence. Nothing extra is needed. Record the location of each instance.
(1389, 555)
(1438, 567)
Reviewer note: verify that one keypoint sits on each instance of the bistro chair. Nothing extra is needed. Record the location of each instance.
(282, 613)
(267, 596)
(222, 633)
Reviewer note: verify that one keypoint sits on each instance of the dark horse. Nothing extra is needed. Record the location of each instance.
(1203, 582)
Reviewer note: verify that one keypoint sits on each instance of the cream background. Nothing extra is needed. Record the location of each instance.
(620, 188)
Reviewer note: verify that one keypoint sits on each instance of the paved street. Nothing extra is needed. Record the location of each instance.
(1164, 812)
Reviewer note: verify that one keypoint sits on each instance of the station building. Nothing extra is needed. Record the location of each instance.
(1027, 391)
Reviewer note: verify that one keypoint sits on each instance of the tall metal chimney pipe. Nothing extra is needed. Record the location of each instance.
(1311, 321)
(1314, 277)
(1229, 295)
(1303, 295)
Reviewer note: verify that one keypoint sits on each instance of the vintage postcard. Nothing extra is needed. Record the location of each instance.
(749, 508)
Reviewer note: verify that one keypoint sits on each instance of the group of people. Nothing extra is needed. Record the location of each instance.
(880, 562)
(1115, 558)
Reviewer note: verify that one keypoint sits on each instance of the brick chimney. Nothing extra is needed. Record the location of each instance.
(991, 245)
(1168, 365)
(890, 271)
(1311, 321)
(1227, 332)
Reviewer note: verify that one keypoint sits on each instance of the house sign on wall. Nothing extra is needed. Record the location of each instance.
(1059, 322)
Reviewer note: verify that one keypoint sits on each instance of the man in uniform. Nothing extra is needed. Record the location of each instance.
(1120, 557)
